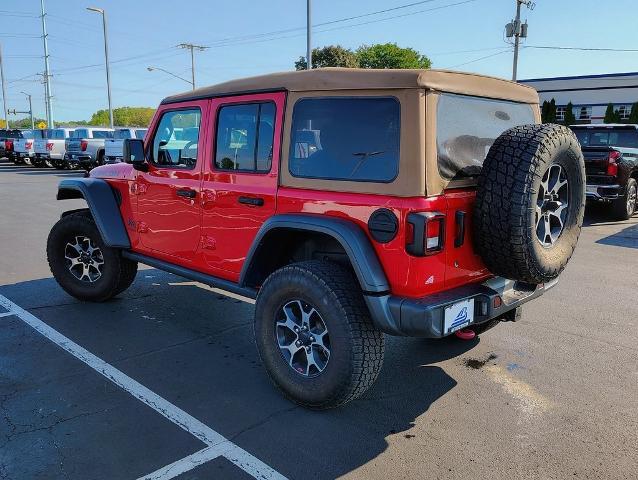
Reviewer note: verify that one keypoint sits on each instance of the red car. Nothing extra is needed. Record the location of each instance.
(348, 202)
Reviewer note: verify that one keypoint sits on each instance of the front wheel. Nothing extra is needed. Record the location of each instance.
(314, 334)
(82, 264)
(626, 205)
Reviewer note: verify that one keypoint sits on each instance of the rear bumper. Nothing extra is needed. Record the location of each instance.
(111, 160)
(602, 192)
(75, 158)
(424, 317)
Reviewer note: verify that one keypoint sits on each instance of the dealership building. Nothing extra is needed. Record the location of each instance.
(589, 94)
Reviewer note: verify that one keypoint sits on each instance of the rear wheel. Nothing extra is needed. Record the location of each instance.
(314, 334)
(82, 264)
(625, 206)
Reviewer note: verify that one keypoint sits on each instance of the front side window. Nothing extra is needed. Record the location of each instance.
(176, 139)
(466, 128)
(346, 138)
(244, 139)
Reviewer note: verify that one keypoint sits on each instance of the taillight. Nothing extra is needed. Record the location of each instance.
(425, 233)
(8, 145)
(612, 166)
(50, 146)
(83, 145)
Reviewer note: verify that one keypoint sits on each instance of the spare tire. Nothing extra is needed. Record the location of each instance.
(530, 203)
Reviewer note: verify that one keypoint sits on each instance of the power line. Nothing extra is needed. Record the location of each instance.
(585, 49)
(481, 58)
(259, 38)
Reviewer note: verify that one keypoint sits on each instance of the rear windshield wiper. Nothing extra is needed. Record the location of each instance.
(364, 156)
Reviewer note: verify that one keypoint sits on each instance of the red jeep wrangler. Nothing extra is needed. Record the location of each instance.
(349, 203)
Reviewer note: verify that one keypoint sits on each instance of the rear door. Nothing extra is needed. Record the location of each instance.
(240, 183)
(168, 194)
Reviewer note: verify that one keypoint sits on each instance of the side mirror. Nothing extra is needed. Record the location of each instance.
(133, 152)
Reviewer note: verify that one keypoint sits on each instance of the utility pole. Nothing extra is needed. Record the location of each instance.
(4, 92)
(192, 48)
(30, 109)
(106, 59)
(518, 30)
(47, 73)
(308, 34)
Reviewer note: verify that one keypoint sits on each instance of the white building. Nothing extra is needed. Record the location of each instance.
(590, 94)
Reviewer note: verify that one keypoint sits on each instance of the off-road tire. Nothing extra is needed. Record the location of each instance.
(117, 275)
(357, 347)
(505, 208)
(621, 208)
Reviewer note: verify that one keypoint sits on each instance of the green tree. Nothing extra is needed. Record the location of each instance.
(390, 55)
(329, 56)
(570, 118)
(611, 115)
(124, 116)
(633, 116)
(548, 111)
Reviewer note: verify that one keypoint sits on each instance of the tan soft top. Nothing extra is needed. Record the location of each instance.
(327, 79)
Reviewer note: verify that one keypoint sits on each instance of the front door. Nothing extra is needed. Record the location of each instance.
(240, 183)
(169, 206)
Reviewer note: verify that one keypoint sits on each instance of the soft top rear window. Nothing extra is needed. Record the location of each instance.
(607, 137)
(466, 128)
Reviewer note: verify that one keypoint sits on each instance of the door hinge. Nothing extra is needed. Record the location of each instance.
(208, 242)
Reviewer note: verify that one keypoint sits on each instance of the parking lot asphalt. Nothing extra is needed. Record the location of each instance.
(554, 395)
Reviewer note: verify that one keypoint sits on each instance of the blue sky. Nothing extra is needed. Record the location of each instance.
(467, 36)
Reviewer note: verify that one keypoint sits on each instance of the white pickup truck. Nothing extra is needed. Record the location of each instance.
(24, 147)
(50, 150)
(113, 147)
(86, 147)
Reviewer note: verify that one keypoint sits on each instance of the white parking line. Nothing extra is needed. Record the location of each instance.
(219, 444)
(6, 314)
(183, 465)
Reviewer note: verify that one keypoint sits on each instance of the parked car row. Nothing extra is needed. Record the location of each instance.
(66, 148)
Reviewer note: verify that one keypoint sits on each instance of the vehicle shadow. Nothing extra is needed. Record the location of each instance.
(627, 237)
(600, 214)
(195, 348)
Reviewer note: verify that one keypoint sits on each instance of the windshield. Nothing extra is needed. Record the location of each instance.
(468, 126)
(607, 137)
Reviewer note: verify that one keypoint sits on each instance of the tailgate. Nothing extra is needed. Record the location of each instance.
(114, 148)
(20, 145)
(596, 160)
(75, 145)
(40, 145)
(463, 265)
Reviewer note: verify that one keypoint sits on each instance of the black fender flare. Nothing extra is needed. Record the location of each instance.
(103, 205)
(350, 236)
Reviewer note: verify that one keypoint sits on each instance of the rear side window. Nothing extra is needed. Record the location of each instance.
(140, 134)
(346, 138)
(466, 128)
(176, 139)
(81, 133)
(245, 136)
(606, 137)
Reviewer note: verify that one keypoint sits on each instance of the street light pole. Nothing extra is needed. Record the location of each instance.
(106, 57)
(192, 47)
(308, 34)
(4, 92)
(30, 110)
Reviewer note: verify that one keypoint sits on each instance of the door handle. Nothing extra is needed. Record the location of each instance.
(253, 201)
(186, 193)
